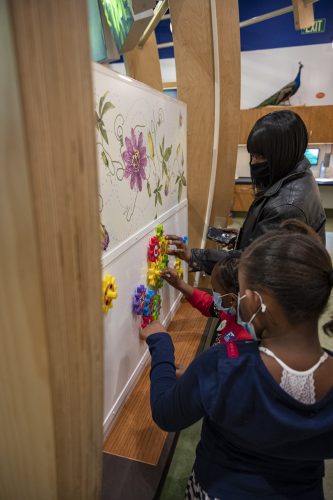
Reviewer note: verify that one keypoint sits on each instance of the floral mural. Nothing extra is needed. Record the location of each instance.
(141, 146)
(135, 160)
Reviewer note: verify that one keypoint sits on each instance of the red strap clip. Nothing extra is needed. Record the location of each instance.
(232, 350)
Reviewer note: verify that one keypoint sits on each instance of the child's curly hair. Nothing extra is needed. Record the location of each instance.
(226, 271)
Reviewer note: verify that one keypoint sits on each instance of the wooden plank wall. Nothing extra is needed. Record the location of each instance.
(51, 356)
(143, 64)
(318, 120)
(192, 36)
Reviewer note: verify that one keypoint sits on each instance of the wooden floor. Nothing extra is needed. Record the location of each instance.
(135, 436)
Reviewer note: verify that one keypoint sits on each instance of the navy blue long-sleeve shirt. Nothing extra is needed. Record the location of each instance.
(257, 442)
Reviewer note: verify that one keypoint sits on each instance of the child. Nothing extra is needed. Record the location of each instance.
(268, 409)
(223, 302)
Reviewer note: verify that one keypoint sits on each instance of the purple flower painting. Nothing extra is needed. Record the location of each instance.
(135, 160)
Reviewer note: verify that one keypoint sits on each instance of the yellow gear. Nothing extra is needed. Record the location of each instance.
(178, 267)
(154, 273)
(109, 292)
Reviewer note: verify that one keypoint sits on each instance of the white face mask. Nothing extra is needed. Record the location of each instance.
(218, 301)
(248, 325)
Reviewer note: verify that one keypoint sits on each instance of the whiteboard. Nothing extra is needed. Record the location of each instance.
(142, 158)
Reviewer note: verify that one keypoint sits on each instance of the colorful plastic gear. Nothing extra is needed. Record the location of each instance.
(149, 303)
(146, 320)
(139, 300)
(185, 240)
(154, 273)
(164, 246)
(178, 267)
(159, 230)
(157, 306)
(154, 249)
(148, 309)
(109, 292)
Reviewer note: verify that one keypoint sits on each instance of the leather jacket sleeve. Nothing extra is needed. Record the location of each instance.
(205, 260)
(273, 218)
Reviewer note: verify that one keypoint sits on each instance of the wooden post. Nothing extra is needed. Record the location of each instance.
(303, 14)
(50, 321)
(192, 35)
(228, 47)
(143, 64)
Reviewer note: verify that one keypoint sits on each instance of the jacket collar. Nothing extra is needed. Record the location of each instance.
(299, 171)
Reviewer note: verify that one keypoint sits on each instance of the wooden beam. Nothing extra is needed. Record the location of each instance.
(143, 64)
(27, 445)
(57, 255)
(192, 35)
(228, 47)
(303, 14)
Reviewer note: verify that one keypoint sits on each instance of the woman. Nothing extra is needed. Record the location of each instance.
(284, 186)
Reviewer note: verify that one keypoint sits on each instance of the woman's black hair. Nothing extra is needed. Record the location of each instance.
(280, 137)
(295, 268)
(226, 271)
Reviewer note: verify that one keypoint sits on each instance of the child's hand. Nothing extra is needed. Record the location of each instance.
(182, 251)
(180, 369)
(171, 276)
(153, 327)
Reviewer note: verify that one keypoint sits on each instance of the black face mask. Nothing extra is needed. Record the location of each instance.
(260, 174)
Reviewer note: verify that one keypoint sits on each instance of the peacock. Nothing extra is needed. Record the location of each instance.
(285, 93)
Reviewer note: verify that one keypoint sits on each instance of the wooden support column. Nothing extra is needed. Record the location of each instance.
(192, 35)
(51, 372)
(143, 64)
(303, 14)
(227, 44)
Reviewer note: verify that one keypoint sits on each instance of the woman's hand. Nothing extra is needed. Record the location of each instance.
(153, 327)
(181, 251)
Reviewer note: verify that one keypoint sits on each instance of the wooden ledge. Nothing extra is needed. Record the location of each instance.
(134, 435)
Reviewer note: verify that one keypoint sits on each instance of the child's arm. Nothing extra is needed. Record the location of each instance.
(197, 298)
(176, 404)
(171, 276)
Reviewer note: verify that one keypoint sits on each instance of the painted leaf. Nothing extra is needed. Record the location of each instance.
(167, 186)
(97, 118)
(178, 178)
(101, 102)
(103, 132)
(108, 105)
(164, 168)
(159, 197)
(149, 189)
(167, 153)
(163, 143)
(151, 145)
(182, 158)
(178, 150)
(183, 180)
(105, 159)
(180, 191)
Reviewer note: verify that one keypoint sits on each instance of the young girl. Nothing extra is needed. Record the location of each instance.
(223, 302)
(268, 408)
